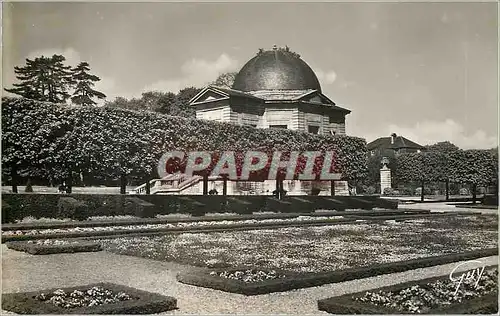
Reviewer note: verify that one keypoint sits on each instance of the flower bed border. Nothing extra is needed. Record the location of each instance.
(204, 279)
(35, 249)
(345, 304)
(147, 302)
(298, 280)
(199, 229)
(217, 228)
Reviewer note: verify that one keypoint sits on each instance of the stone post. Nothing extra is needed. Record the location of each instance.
(224, 185)
(385, 176)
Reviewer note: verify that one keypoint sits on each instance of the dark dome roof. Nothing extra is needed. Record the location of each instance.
(276, 70)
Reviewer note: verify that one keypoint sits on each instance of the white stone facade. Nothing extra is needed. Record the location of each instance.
(291, 118)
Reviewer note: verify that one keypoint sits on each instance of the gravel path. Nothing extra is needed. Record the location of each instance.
(23, 272)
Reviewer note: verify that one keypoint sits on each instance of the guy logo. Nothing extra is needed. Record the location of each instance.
(474, 274)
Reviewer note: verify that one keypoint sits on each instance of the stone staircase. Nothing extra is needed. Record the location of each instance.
(171, 184)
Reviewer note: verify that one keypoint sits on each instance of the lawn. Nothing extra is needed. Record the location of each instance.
(318, 249)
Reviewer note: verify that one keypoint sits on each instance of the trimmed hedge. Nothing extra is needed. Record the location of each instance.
(34, 249)
(113, 142)
(298, 281)
(47, 205)
(145, 302)
(346, 305)
(490, 200)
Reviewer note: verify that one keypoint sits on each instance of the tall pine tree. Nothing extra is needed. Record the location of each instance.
(84, 92)
(43, 79)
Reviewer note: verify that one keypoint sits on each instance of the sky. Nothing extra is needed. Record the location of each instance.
(426, 71)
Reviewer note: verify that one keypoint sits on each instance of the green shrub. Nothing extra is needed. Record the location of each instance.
(391, 191)
(29, 187)
(69, 207)
(370, 190)
(427, 191)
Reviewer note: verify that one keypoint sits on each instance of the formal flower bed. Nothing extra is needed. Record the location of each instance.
(317, 249)
(222, 214)
(31, 219)
(249, 275)
(52, 242)
(97, 298)
(166, 225)
(438, 294)
(92, 297)
(53, 246)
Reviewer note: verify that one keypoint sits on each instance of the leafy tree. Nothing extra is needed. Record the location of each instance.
(473, 167)
(44, 79)
(29, 131)
(445, 146)
(225, 80)
(167, 103)
(476, 168)
(151, 100)
(182, 107)
(123, 103)
(84, 92)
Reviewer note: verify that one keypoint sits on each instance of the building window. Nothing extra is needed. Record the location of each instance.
(278, 126)
(313, 129)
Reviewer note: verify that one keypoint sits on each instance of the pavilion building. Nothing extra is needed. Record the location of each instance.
(274, 89)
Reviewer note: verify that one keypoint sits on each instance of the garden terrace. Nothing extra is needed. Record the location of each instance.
(317, 249)
(46, 205)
